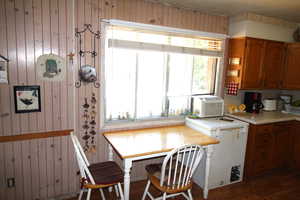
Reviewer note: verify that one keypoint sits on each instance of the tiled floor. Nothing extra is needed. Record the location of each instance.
(279, 185)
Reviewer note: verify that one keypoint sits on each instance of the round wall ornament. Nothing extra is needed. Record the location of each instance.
(51, 67)
(296, 35)
(87, 73)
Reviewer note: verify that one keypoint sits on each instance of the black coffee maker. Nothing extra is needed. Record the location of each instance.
(253, 102)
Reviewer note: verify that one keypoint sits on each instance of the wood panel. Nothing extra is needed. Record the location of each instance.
(273, 63)
(45, 167)
(252, 69)
(296, 146)
(290, 76)
(283, 145)
(269, 147)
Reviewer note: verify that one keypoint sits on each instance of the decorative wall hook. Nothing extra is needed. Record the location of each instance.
(87, 73)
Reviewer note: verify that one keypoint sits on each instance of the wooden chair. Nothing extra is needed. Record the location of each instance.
(174, 176)
(98, 175)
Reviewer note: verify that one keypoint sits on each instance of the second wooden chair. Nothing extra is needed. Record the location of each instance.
(174, 176)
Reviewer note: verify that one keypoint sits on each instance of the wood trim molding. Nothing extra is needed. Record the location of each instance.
(31, 136)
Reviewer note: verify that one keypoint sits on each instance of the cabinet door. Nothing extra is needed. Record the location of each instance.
(252, 69)
(296, 146)
(264, 141)
(282, 151)
(291, 78)
(259, 150)
(273, 64)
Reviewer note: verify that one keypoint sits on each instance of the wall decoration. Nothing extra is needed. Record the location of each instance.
(71, 58)
(296, 35)
(27, 99)
(87, 73)
(85, 125)
(93, 122)
(89, 124)
(3, 69)
(51, 67)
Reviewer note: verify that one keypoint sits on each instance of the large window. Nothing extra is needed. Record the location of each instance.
(151, 74)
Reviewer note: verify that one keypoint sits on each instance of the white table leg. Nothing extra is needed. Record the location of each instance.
(110, 158)
(209, 152)
(127, 168)
(110, 153)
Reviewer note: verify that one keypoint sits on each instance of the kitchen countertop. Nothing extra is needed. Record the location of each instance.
(264, 117)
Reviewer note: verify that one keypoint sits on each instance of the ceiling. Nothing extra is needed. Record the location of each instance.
(283, 9)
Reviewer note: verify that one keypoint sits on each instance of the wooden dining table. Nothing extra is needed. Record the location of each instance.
(133, 145)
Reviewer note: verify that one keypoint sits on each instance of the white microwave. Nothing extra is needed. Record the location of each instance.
(208, 106)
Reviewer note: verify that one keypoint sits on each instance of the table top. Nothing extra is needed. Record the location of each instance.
(142, 142)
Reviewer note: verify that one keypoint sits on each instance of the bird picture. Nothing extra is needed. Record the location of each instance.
(27, 99)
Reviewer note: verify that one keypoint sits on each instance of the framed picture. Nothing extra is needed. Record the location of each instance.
(3, 71)
(27, 99)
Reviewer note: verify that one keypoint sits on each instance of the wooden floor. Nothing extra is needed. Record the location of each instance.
(279, 185)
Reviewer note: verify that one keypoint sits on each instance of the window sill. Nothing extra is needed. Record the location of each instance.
(121, 126)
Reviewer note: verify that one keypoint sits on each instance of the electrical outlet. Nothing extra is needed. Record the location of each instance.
(11, 182)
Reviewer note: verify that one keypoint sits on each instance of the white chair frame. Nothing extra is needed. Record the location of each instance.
(185, 159)
(83, 164)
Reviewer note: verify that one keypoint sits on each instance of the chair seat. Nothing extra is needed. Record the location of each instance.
(154, 173)
(106, 173)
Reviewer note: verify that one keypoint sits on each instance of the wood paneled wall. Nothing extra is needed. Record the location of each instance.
(45, 168)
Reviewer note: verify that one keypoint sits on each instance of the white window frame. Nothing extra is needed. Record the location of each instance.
(155, 122)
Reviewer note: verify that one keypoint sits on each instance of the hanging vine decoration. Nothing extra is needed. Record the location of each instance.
(89, 124)
(87, 73)
(93, 122)
(85, 125)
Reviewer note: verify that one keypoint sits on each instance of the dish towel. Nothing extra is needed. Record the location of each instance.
(232, 88)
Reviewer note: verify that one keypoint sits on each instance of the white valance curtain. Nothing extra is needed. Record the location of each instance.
(188, 41)
(162, 48)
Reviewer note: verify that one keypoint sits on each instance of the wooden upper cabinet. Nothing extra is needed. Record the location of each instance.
(291, 72)
(273, 64)
(260, 65)
(252, 66)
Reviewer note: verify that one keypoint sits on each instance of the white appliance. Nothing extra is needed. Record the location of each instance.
(286, 100)
(227, 162)
(270, 104)
(208, 106)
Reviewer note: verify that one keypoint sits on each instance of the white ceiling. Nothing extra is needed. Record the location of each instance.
(283, 9)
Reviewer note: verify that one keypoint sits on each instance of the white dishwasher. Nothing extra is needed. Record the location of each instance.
(227, 162)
